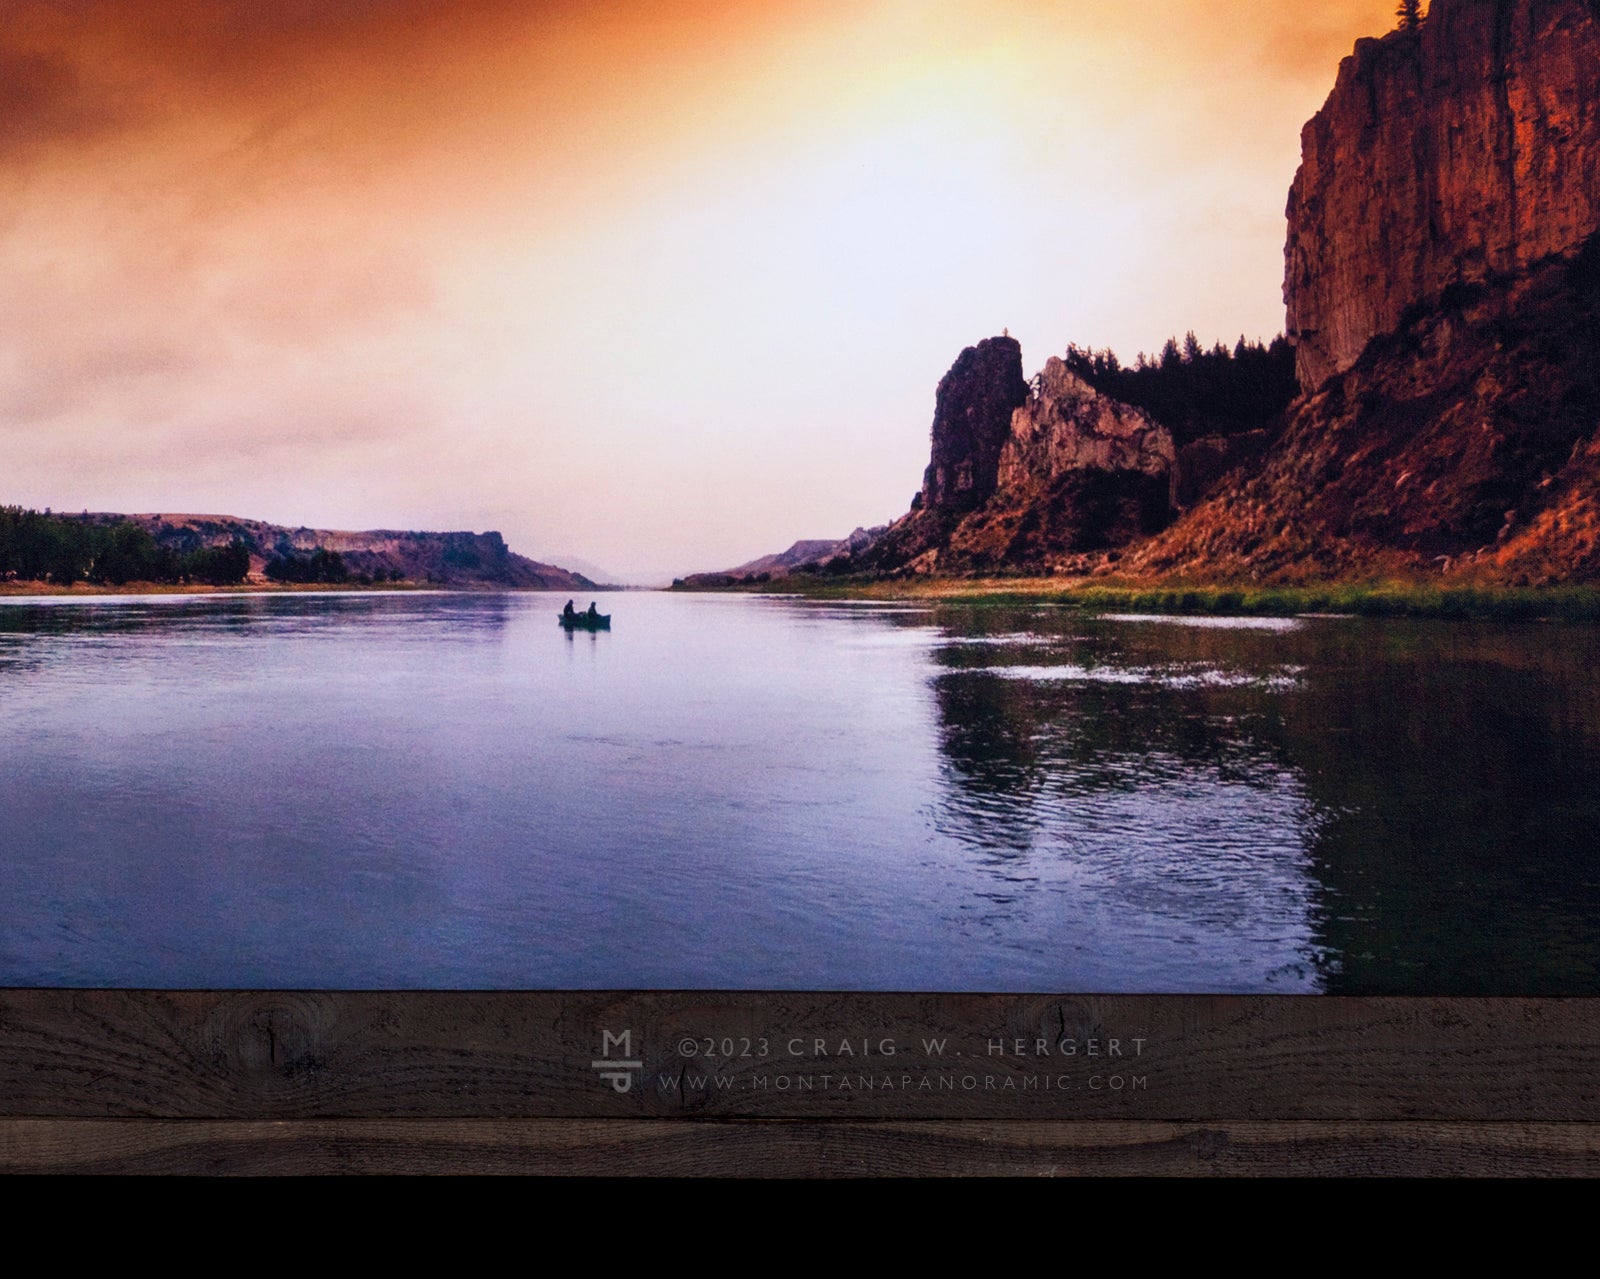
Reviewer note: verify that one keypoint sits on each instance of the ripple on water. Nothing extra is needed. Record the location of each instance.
(1210, 623)
(1283, 679)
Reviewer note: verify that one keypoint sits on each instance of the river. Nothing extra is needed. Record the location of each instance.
(417, 790)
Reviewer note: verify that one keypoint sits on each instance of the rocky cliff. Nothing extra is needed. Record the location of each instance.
(1465, 446)
(1464, 152)
(1443, 288)
(1072, 472)
(971, 424)
(1443, 292)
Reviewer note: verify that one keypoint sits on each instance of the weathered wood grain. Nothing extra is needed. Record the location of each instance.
(778, 1148)
(501, 1056)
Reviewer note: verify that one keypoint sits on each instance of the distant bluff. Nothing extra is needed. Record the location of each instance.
(1463, 152)
(470, 560)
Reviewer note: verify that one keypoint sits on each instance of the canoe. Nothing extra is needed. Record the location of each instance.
(583, 622)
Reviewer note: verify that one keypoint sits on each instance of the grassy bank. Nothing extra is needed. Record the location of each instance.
(1388, 599)
(1363, 599)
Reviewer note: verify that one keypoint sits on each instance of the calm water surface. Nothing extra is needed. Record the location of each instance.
(448, 791)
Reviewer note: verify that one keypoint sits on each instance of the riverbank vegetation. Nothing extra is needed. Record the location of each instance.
(39, 546)
(1579, 603)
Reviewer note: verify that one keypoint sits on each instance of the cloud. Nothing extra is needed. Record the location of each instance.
(43, 100)
(185, 197)
(79, 71)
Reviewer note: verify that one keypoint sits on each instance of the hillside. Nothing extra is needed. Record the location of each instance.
(462, 560)
(807, 555)
(1463, 446)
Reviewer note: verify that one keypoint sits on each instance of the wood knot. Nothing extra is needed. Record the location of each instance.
(1207, 1143)
(273, 1036)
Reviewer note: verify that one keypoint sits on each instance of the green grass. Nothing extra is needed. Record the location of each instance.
(1487, 603)
(1363, 599)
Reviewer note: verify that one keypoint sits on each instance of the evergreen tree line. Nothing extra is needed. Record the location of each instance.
(41, 547)
(325, 568)
(1195, 392)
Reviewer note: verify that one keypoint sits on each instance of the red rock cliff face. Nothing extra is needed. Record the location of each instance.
(1469, 151)
(971, 423)
(1066, 425)
(1024, 478)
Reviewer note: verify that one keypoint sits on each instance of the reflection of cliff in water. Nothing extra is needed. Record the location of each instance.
(1142, 780)
(1417, 796)
(1456, 765)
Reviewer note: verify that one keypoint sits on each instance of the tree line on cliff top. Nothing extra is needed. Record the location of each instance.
(1195, 392)
(42, 547)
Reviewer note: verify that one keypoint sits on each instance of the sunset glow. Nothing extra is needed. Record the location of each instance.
(663, 286)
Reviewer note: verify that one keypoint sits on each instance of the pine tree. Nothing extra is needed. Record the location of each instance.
(1410, 15)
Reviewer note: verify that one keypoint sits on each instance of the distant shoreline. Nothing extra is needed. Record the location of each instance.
(83, 590)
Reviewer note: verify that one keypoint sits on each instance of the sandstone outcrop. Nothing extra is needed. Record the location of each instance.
(1443, 289)
(971, 424)
(1066, 425)
(1074, 472)
(1464, 152)
(1442, 283)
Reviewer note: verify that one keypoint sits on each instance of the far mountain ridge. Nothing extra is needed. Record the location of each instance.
(450, 559)
(806, 554)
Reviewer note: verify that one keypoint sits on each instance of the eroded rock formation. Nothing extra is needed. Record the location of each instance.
(1066, 425)
(1443, 289)
(971, 424)
(1074, 471)
(1443, 286)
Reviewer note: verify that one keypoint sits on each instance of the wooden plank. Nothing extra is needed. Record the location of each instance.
(289, 1055)
(777, 1148)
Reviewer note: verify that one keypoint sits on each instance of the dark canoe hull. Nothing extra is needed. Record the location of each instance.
(583, 622)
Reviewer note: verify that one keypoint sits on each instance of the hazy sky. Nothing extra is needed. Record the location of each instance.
(661, 285)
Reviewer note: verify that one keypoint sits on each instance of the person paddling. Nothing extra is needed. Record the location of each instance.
(569, 612)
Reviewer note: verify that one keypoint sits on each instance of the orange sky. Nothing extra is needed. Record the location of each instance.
(660, 285)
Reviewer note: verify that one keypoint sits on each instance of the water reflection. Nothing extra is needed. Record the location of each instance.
(1142, 792)
(1410, 803)
(1457, 767)
(430, 790)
